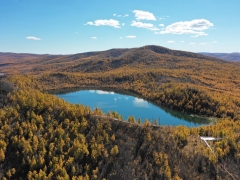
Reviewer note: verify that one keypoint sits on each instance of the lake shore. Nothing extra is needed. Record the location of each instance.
(73, 94)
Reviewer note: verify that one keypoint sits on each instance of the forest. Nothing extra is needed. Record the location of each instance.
(43, 137)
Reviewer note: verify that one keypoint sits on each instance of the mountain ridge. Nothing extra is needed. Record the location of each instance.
(113, 51)
(140, 55)
(118, 52)
(234, 56)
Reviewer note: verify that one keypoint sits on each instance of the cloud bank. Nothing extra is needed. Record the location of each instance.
(195, 27)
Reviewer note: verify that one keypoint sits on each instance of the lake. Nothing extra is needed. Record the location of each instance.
(127, 105)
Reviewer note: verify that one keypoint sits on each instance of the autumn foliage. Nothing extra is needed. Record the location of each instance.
(44, 137)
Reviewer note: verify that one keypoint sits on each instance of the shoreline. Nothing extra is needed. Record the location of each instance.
(175, 113)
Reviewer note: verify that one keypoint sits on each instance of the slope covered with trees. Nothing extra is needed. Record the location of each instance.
(184, 81)
(42, 136)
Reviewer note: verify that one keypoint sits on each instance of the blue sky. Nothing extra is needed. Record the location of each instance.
(75, 26)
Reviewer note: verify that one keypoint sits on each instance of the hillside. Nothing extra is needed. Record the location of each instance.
(43, 137)
(156, 73)
(114, 58)
(234, 57)
(12, 61)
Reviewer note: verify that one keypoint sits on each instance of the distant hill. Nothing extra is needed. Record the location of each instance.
(151, 66)
(149, 56)
(235, 57)
(162, 64)
(18, 56)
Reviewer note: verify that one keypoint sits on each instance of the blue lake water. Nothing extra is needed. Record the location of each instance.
(127, 105)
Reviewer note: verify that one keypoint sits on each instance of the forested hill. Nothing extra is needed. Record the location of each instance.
(20, 57)
(166, 77)
(101, 54)
(114, 58)
(44, 137)
(234, 57)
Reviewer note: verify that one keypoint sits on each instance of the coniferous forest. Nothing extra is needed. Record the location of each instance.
(44, 137)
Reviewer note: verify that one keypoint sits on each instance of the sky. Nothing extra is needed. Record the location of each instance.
(76, 26)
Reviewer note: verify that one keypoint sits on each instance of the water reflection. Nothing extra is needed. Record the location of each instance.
(187, 117)
(127, 105)
(140, 103)
(100, 92)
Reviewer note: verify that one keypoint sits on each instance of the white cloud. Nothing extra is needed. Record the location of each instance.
(192, 43)
(90, 23)
(33, 38)
(161, 18)
(119, 15)
(94, 37)
(105, 22)
(144, 15)
(202, 43)
(195, 27)
(144, 25)
(170, 42)
(161, 25)
(199, 34)
(120, 37)
(182, 41)
(131, 37)
(214, 42)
